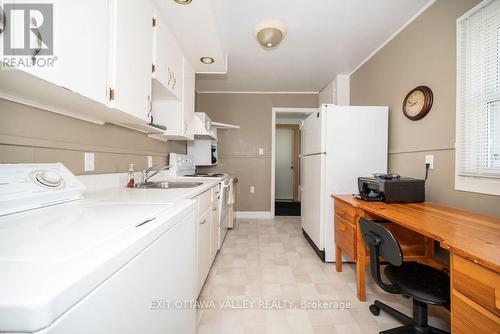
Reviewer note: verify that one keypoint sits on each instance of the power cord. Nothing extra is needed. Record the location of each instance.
(427, 166)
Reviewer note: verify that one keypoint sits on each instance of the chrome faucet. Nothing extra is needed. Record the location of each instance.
(146, 174)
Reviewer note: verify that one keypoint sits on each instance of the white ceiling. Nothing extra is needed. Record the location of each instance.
(325, 38)
(194, 27)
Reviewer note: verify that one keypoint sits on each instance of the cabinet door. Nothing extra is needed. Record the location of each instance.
(78, 61)
(131, 57)
(214, 239)
(167, 58)
(203, 250)
(188, 96)
(173, 62)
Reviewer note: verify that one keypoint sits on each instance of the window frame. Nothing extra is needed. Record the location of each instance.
(483, 184)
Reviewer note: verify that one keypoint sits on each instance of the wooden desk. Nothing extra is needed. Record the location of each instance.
(472, 239)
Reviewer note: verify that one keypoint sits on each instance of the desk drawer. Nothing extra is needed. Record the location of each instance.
(345, 211)
(345, 236)
(468, 317)
(477, 283)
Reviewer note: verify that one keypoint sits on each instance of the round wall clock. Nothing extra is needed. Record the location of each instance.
(418, 103)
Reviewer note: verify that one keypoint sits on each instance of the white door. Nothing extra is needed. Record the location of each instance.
(132, 57)
(284, 163)
(312, 197)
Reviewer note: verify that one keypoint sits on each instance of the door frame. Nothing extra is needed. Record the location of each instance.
(275, 112)
(296, 141)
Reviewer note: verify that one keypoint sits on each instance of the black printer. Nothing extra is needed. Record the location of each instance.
(391, 188)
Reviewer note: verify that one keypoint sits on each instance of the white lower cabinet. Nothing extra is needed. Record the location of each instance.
(214, 229)
(204, 256)
(207, 232)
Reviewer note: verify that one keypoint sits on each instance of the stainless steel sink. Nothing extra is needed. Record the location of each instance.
(168, 185)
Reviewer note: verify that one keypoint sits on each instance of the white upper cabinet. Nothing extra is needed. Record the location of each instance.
(103, 61)
(167, 58)
(64, 53)
(131, 42)
(176, 114)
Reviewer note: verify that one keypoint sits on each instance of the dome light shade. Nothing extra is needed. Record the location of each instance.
(183, 2)
(270, 34)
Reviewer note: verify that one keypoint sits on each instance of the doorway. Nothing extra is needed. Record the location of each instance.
(287, 162)
(287, 118)
(287, 146)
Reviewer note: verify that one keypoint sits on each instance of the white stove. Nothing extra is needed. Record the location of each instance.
(65, 263)
(183, 165)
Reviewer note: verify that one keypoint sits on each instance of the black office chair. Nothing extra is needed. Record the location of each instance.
(424, 284)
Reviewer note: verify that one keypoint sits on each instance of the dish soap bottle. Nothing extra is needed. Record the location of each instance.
(131, 180)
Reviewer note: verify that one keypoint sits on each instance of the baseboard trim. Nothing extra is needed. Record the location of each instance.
(319, 252)
(253, 214)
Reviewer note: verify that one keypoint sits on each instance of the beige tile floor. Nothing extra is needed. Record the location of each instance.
(271, 260)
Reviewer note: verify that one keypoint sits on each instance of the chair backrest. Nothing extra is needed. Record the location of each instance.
(381, 243)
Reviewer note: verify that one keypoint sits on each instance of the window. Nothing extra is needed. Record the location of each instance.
(478, 99)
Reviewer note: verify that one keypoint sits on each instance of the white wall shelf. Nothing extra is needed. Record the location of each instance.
(225, 126)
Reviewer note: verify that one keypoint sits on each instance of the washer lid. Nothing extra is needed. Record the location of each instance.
(50, 258)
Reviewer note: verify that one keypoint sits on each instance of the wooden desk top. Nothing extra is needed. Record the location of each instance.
(466, 233)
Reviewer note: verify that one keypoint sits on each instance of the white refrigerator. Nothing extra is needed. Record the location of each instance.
(340, 143)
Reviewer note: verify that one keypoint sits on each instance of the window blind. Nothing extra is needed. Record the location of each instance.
(478, 91)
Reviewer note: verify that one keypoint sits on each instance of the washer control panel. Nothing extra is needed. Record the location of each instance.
(28, 186)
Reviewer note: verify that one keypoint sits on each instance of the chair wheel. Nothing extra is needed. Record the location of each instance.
(375, 310)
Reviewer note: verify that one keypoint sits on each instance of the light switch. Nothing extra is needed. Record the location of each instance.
(252, 190)
(89, 161)
(429, 159)
(150, 161)
(261, 151)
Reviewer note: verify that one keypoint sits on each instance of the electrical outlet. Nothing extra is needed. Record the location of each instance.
(429, 159)
(261, 151)
(150, 161)
(252, 190)
(89, 161)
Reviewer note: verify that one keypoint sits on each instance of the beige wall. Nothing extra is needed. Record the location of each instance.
(32, 135)
(238, 149)
(424, 53)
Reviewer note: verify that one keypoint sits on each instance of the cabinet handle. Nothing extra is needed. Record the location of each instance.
(150, 109)
(214, 208)
(175, 81)
(203, 221)
(169, 77)
(39, 41)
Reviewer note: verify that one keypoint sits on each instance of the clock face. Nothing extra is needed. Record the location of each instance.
(418, 103)
(415, 103)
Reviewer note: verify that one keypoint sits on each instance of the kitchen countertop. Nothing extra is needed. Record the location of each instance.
(111, 188)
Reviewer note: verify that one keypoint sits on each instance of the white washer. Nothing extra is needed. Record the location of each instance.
(72, 266)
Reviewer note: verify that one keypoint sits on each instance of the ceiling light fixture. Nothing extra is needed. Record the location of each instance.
(270, 33)
(183, 2)
(207, 60)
